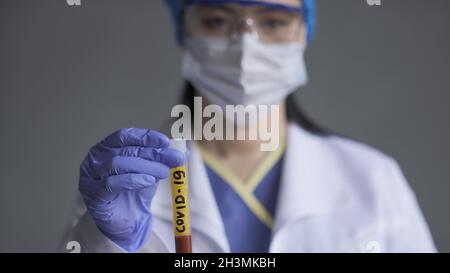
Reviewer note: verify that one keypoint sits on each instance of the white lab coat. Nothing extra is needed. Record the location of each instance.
(336, 195)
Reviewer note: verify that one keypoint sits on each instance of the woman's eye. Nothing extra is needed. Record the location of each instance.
(214, 22)
(274, 23)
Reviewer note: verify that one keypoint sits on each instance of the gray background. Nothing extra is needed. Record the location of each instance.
(71, 75)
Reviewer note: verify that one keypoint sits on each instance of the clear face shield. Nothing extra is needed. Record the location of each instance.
(268, 22)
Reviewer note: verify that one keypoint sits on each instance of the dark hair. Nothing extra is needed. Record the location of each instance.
(293, 111)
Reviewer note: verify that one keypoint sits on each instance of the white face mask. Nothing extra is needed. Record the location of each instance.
(243, 71)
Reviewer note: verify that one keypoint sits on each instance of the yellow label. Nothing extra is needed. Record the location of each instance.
(180, 202)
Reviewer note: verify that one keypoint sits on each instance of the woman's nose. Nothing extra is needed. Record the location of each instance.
(245, 25)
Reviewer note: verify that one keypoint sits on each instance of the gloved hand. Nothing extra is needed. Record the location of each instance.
(118, 180)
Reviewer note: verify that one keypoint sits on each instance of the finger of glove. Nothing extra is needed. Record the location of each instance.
(122, 165)
(129, 182)
(168, 156)
(137, 137)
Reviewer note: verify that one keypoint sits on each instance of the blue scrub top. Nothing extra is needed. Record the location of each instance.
(247, 207)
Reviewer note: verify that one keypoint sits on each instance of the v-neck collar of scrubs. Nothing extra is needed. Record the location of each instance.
(246, 190)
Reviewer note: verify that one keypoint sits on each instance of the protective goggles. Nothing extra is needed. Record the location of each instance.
(269, 22)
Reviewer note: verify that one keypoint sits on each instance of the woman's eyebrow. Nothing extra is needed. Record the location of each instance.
(217, 7)
(269, 9)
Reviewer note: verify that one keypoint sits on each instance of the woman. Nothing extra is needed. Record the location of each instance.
(316, 192)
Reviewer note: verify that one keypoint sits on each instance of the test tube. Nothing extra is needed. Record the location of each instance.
(180, 202)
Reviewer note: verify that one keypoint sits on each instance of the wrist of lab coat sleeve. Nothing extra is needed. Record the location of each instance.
(91, 239)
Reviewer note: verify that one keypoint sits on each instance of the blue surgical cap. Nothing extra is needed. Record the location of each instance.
(176, 9)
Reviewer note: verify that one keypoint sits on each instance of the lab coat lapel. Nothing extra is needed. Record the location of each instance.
(307, 188)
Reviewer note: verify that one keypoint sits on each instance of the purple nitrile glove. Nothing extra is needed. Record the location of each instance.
(118, 180)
